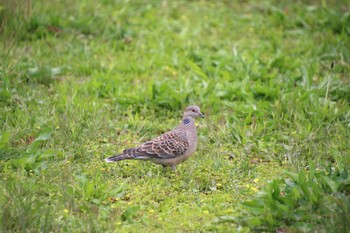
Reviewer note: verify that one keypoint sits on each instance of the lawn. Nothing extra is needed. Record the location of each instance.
(83, 80)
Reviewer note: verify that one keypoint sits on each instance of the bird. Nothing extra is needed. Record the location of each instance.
(169, 149)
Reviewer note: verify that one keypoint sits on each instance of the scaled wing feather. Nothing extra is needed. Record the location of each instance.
(168, 145)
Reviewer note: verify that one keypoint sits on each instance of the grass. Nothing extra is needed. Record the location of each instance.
(82, 80)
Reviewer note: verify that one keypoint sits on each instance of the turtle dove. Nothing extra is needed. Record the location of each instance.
(171, 148)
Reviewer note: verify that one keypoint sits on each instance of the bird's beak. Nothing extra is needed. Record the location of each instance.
(201, 114)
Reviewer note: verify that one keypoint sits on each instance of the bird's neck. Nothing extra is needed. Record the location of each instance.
(187, 120)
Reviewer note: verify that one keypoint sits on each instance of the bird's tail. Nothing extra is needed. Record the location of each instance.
(116, 158)
(127, 154)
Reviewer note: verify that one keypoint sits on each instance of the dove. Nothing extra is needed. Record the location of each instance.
(169, 149)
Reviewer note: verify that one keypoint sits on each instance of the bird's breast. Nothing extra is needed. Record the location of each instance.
(192, 142)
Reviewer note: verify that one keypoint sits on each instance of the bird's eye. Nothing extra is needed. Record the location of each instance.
(193, 110)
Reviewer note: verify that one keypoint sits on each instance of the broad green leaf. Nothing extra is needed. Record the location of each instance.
(254, 221)
(24, 162)
(256, 204)
(292, 175)
(43, 136)
(226, 219)
(45, 155)
(129, 213)
(4, 138)
(331, 183)
(119, 189)
(197, 69)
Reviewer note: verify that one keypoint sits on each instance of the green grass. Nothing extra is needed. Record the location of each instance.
(82, 80)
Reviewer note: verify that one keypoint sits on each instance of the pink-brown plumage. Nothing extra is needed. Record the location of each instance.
(169, 149)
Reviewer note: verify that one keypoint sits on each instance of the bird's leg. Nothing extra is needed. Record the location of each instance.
(173, 168)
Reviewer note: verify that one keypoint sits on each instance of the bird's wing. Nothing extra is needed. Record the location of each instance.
(168, 145)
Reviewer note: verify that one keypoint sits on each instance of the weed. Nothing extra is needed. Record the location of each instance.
(82, 80)
(306, 201)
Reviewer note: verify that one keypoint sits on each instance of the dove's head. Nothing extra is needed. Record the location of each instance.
(193, 111)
